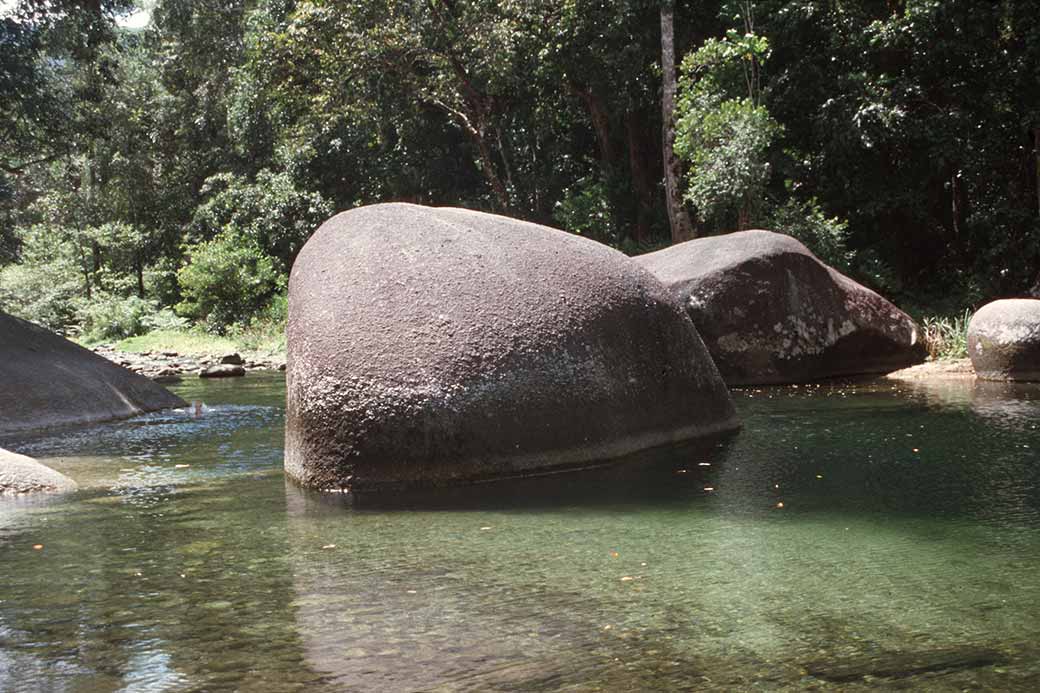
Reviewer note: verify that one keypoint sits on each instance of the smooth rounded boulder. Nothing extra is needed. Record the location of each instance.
(1004, 340)
(435, 346)
(49, 381)
(21, 475)
(770, 312)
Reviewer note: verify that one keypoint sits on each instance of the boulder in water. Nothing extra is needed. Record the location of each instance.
(1004, 340)
(48, 381)
(770, 312)
(21, 475)
(434, 346)
(223, 370)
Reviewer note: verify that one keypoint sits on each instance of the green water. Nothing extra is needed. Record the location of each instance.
(905, 556)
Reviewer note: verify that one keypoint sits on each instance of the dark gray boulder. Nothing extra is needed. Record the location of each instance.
(1004, 340)
(430, 346)
(770, 312)
(21, 475)
(46, 380)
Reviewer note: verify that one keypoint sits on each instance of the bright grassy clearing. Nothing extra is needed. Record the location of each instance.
(182, 342)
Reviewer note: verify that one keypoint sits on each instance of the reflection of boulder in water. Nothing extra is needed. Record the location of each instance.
(413, 600)
(956, 393)
(658, 475)
(1007, 405)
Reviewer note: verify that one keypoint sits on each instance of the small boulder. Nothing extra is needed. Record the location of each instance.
(167, 375)
(233, 359)
(770, 312)
(21, 475)
(445, 346)
(1004, 340)
(222, 370)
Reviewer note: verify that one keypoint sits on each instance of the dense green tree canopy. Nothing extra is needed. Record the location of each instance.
(898, 138)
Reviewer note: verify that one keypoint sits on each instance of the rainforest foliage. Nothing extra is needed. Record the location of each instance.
(162, 163)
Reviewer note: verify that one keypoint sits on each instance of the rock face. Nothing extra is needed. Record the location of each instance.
(20, 475)
(430, 346)
(223, 370)
(770, 312)
(1004, 340)
(47, 381)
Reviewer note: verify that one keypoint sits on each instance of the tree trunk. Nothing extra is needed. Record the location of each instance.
(1036, 155)
(955, 203)
(600, 122)
(642, 183)
(744, 217)
(487, 166)
(678, 219)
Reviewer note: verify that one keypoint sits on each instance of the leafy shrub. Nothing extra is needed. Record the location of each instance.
(722, 129)
(585, 210)
(164, 320)
(110, 317)
(271, 212)
(227, 281)
(826, 238)
(725, 141)
(266, 331)
(43, 288)
(946, 337)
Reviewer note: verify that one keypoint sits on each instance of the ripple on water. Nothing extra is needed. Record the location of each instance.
(865, 537)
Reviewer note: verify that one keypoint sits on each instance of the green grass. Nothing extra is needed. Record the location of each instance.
(265, 340)
(183, 342)
(946, 337)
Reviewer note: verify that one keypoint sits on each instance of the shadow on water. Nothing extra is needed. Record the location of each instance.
(663, 475)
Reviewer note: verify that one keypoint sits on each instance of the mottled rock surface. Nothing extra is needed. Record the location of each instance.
(770, 312)
(1004, 340)
(48, 381)
(20, 475)
(223, 370)
(431, 346)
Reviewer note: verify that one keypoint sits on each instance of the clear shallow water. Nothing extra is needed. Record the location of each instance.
(905, 555)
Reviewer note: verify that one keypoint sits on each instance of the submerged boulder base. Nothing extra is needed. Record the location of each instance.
(770, 312)
(21, 475)
(1004, 340)
(47, 381)
(432, 346)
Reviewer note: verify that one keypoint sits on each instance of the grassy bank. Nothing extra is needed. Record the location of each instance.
(269, 341)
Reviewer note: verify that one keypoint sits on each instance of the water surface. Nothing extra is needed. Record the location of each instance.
(869, 537)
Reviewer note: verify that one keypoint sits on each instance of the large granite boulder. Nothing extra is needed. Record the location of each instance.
(430, 346)
(21, 475)
(1004, 340)
(46, 380)
(770, 312)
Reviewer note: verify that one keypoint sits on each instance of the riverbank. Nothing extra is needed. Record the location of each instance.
(942, 368)
(170, 365)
